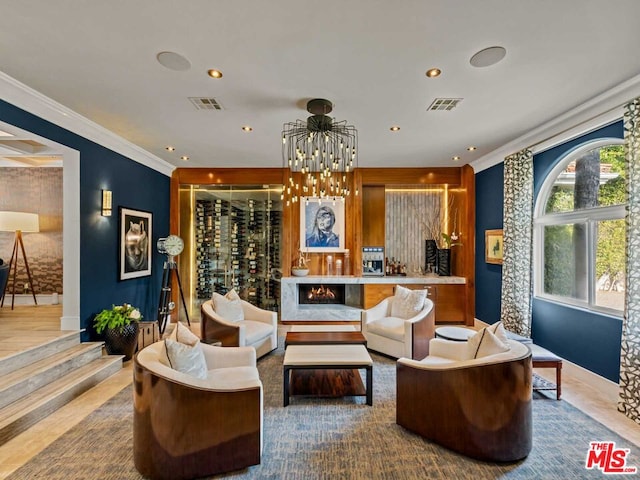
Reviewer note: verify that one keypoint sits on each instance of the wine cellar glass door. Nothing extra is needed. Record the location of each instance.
(235, 233)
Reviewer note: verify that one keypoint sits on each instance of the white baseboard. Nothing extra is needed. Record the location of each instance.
(27, 299)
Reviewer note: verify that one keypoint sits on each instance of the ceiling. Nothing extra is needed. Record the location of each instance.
(369, 57)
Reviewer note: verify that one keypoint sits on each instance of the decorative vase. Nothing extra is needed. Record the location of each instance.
(430, 256)
(444, 262)
(122, 341)
(299, 272)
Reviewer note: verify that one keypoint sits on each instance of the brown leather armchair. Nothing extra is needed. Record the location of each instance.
(480, 408)
(185, 427)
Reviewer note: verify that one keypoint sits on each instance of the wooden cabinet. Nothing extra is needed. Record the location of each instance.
(449, 299)
(373, 216)
(375, 293)
(450, 303)
(147, 334)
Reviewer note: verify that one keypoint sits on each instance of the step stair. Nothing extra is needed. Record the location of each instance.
(38, 381)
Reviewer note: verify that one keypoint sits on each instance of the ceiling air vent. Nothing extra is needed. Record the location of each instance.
(444, 104)
(206, 103)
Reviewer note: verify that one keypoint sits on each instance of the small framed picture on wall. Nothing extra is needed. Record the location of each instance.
(321, 224)
(493, 246)
(134, 243)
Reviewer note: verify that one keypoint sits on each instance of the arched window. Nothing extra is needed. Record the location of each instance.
(579, 229)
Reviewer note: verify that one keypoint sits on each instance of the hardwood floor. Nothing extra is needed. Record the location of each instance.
(25, 326)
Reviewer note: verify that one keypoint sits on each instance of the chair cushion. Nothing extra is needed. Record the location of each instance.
(390, 327)
(228, 306)
(485, 343)
(186, 358)
(540, 354)
(407, 303)
(435, 360)
(232, 376)
(256, 331)
(518, 338)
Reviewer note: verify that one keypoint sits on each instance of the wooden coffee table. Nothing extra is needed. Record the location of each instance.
(317, 359)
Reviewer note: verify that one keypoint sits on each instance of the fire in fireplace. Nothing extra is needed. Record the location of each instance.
(320, 294)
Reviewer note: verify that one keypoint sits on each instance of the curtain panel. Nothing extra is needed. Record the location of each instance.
(629, 397)
(515, 309)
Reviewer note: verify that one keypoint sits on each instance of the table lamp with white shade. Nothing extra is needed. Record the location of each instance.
(18, 222)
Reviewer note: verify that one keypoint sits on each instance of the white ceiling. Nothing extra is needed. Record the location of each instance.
(368, 57)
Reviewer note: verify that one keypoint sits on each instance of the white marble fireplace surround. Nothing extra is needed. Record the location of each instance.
(291, 310)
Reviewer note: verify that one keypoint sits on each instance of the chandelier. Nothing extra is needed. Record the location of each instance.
(320, 154)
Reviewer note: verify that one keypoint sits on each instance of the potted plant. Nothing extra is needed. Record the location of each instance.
(120, 326)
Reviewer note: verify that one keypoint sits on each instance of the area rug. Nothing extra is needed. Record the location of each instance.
(333, 439)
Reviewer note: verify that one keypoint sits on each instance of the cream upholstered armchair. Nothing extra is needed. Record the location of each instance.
(400, 325)
(200, 423)
(237, 323)
(472, 397)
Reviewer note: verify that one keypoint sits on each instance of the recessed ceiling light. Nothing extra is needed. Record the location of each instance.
(433, 72)
(395, 128)
(488, 56)
(170, 148)
(471, 149)
(247, 128)
(455, 158)
(184, 157)
(173, 61)
(213, 73)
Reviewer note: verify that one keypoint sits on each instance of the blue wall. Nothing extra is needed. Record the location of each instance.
(582, 337)
(134, 186)
(489, 203)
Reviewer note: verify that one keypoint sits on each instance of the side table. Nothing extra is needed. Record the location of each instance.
(456, 334)
(148, 333)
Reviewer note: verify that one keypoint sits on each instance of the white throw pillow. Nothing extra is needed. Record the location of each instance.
(407, 303)
(186, 359)
(498, 330)
(485, 343)
(229, 306)
(182, 334)
(232, 295)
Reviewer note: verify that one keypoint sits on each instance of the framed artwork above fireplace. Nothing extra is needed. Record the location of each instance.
(322, 224)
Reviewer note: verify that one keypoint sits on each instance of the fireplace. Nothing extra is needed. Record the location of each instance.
(319, 294)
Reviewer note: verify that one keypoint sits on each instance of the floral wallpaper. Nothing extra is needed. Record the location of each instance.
(515, 310)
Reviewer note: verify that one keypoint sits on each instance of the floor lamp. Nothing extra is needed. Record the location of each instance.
(18, 222)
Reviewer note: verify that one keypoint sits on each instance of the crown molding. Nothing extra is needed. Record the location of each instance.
(32, 101)
(601, 110)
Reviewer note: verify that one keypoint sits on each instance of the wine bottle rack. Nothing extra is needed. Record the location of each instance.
(237, 245)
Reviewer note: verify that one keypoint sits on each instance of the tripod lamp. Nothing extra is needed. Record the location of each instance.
(18, 222)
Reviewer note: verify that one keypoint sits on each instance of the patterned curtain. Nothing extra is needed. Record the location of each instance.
(629, 399)
(517, 233)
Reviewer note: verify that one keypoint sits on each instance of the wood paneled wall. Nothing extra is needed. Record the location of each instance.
(373, 208)
(364, 211)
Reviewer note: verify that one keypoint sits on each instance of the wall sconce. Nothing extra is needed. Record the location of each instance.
(106, 203)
